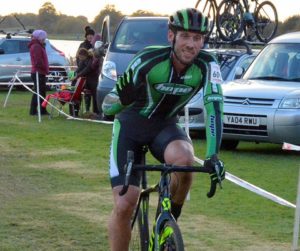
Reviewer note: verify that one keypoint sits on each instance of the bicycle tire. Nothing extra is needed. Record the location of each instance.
(230, 24)
(209, 9)
(140, 229)
(170, 238)
(266, 19)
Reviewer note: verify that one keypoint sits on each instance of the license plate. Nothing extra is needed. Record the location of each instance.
(241, 120)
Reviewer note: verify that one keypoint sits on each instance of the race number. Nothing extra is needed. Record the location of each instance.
(215, 73)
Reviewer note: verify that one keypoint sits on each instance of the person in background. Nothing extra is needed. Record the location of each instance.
(88, 67)
(89, 35)
(39, 67)
(90, 91)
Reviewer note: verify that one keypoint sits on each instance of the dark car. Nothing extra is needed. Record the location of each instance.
(132, 35)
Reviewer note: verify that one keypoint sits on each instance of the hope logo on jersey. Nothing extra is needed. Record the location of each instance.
(175, 89)
(215, 73)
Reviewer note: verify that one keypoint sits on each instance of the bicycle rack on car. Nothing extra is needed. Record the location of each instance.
(237, 42)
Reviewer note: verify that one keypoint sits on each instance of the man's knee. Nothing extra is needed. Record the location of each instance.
(123, 209)
(124, 205)
(179, 152)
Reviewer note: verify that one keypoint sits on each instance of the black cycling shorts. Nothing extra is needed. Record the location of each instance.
(134, 133)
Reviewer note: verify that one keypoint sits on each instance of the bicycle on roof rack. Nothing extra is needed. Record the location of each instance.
(234, 18)
(166, 234)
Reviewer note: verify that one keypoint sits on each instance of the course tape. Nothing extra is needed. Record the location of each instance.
(62, 112)
(255, 189)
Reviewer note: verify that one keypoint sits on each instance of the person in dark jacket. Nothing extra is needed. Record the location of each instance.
(39, 69)
(87, 43)
(88, 67)
(90, 91)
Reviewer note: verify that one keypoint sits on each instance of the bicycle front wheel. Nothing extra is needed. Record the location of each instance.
(170, 238)
(266, 19)
(140, 229)
(230, 20)
(208, 8)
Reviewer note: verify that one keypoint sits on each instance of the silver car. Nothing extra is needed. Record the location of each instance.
(14, 56)
(233, 63)
(264, 106)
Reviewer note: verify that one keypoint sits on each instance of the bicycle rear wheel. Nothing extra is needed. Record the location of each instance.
(266, 19)
(170, 238)
(230, 20)
(208, 8)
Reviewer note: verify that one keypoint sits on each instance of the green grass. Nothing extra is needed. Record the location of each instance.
(55, 192)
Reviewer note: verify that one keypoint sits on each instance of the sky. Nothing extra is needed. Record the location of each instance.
(91, 8)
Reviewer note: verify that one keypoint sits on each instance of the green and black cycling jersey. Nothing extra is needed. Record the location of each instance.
(160, 92)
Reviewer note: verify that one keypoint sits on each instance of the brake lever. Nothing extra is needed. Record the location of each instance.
(128, 170)
(212, 190)
(218, 176)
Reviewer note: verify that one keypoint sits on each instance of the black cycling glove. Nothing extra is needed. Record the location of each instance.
(217, 168)
(125, 88)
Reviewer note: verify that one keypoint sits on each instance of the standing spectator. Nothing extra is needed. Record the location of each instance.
(89, 35)
(40, 67)
(92, 81)
(88, 67)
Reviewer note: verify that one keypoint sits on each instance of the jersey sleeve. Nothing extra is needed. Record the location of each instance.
(111, 104)
(213, 102)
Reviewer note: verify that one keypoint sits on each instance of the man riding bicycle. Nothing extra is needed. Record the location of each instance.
(157, 84)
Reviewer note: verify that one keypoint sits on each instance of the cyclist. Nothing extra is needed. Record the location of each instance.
(157, 84)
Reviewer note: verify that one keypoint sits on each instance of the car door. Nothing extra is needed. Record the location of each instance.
(105, 31)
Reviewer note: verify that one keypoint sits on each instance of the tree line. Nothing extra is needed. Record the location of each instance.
(56, 23)
(49, 19)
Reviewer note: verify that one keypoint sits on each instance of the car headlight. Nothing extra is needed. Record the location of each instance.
(109, 70)
(289, 103)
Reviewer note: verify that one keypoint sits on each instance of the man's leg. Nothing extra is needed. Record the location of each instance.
(119, 229)
(181, 153)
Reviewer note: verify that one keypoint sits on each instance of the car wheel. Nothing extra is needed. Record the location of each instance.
(229, 144)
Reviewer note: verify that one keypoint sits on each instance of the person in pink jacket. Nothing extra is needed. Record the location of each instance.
(40, 65)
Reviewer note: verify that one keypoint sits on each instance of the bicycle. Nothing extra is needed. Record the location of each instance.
(233, 18)
(209, 9)
(166, 234)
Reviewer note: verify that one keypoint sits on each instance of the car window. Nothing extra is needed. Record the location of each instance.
(226, 64)
(246, 62)
(24, 46)
(276, 61)
(14, 46)
(134, 35)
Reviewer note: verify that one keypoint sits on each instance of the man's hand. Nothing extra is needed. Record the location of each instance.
(217, 168)
(125, 88)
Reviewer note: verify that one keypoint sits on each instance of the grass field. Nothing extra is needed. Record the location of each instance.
(55, 192)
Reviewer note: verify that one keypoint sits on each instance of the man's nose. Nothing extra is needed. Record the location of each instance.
(190, 43)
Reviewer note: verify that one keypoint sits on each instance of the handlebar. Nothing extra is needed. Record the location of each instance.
(165, 168)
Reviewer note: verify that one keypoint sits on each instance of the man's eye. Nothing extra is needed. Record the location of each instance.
(185, 36)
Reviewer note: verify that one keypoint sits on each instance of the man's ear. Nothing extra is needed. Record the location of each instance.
(171, 36)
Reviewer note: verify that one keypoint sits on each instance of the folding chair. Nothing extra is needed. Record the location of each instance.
(70, 97)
